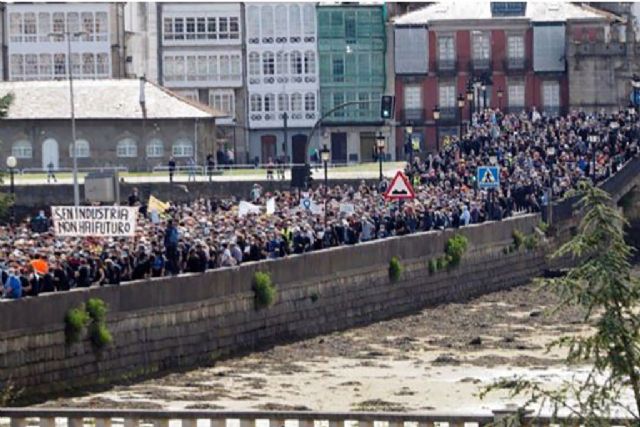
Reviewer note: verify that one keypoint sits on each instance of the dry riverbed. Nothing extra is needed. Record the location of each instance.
(432, 360)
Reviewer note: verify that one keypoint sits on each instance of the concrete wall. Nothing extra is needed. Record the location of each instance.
(164, 324)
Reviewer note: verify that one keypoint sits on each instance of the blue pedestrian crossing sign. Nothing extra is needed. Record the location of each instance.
(488, 177)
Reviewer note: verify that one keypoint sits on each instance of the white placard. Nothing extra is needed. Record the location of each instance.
(101, 221)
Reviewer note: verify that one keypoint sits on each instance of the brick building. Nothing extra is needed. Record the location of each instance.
(506, 55)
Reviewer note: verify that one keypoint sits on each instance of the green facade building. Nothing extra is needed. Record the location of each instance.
(351, 50)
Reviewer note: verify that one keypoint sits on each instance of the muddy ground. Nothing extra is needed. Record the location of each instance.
(432, 360)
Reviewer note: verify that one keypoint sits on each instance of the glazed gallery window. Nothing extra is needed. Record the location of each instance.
(255, 103)
(223, 100)
(201, 28)
(268, 64)
(222, 67)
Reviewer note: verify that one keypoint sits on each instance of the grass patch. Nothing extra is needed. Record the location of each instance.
(264, 289)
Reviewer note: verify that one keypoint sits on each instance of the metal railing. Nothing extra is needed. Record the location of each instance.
(412, 115)
(444, 65)
(47, 417)
(24, 171)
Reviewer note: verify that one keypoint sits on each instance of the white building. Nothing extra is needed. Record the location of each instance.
(197, 53)
(282, 77)
(34, 52)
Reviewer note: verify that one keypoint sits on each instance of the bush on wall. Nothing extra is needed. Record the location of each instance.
(75, 321)
(395, 269)
(92, 314)
(265, 291)
(456, 247)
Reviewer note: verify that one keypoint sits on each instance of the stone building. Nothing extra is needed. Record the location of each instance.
(508, 55)
(351, 47)
(197, 53)
(32, 51)
(128, 123)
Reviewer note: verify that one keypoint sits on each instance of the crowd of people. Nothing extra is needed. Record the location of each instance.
(536, 154)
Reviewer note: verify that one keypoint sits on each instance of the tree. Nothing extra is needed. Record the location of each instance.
(5, 102)
(602, 285)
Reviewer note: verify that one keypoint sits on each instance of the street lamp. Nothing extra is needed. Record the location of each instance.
(483, 86)
(460, 108)
(593, 140)
(551, 153)
(408, 131)
(500, 93)
(325, 156)
(68, 35)
(436, 117)
(380, 144)
(12, 162)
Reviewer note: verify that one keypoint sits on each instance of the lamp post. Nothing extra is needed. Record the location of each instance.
(460, 109)
(12, 162)
(470, 98)
(551, 153)
(436, 117)
(593, 139)
(500, 93)
(484, 95)
(408, 131)
(325, 156)
(74, 155)
(380, 144)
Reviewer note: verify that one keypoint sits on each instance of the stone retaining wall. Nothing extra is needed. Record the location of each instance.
(163, 324)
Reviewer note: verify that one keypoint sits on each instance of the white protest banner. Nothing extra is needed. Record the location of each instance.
(101, 221)
(308, 204)
(245, 208)
(347, 208)
(271, 206)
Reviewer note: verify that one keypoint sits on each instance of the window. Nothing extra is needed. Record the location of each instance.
(88, 64)
(17, 66)
(212, 32)
(447, 96)
(73, 23)
(254, 64)
(169, 68)
(296, 102)
(364, 106)
(179, 75)
(223, 100)
(102, 62)
(412, 97)
(213, 68)
(223, 28)
(267, 24)
(224, 67)
(295, 24)
(350, 25)
(44, 26)
(234, 28)
(268, 64)
(296, 62)
(256, 103)
(87, 26)
(182, 148)
(235, 67)
(127, 148)
(283, 102)
(190, 94)
(30, 27)
(201, 73)
(338, 69)
(201, 28)
(82, 149)
(76, 65)
(310, 101)
(446, 49)
(46, 67)
(551, 95)
(253, 24)
(22, 149)
(59, 65)
(31, 66)
(338, 99)
(309, 20)
(58, 22)
(102, 27)
(167, 29)
(269, 102)
(309, 62)
(155, 148)
(191, 68)
(190, 28)
(178, 28)
(282, 26)
(516, 94)
(515, 47)
(480, 41)
(282, 60)
(15, 27)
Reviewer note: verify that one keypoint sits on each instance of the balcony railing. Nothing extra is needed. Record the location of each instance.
(448, 114)
(481, 64)
(412, 115)
(447, 65)
(515, 64)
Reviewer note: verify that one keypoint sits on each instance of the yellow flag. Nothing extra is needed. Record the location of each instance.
(157, 205)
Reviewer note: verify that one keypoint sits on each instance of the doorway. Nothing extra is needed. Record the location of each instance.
(268, 148)
(339, 147)
(299, 149)
(50, 154)
(367, 146)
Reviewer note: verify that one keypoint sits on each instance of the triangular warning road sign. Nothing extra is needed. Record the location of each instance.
(400, 188)
(488, 177)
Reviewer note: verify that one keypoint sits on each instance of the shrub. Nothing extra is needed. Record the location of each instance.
(518, 239)
(433, 266)
(543, 226)
(97, 310)
(75, 321)
(442, 263)
(395, 269)
(100, 335)
(456, 246)
(265, 291)
(531, 242)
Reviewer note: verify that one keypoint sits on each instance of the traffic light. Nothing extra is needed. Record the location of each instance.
(308, 177)
(386, 107)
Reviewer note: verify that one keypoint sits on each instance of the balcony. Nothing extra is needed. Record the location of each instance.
(412, 115)
(448, 114)
(480, 64)
(515, 64)
(447, 65)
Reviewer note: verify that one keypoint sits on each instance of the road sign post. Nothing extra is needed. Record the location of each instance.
(400, 188)
(488, 177)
